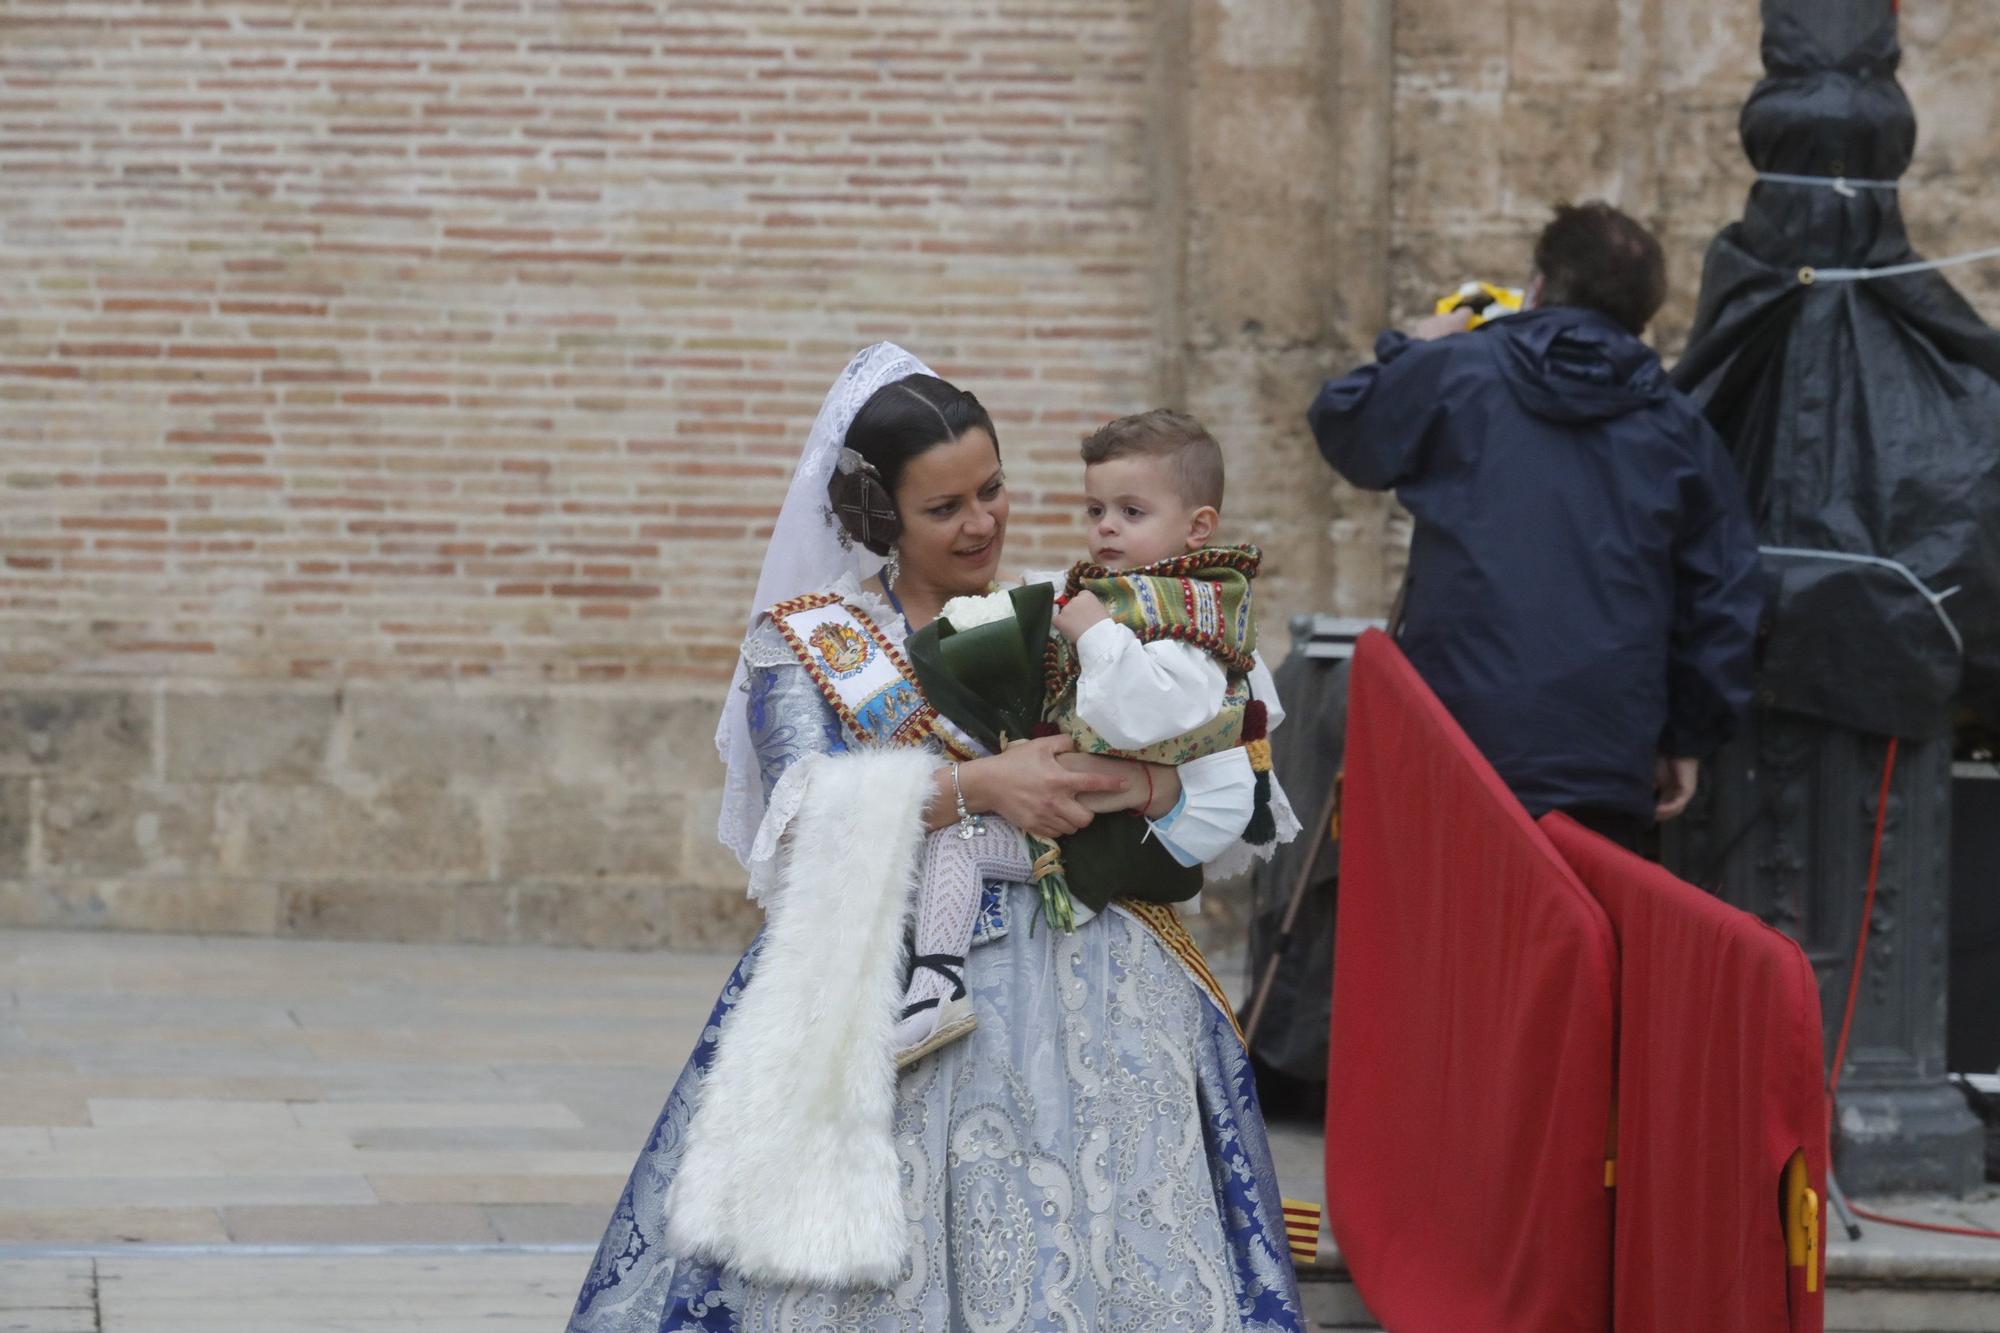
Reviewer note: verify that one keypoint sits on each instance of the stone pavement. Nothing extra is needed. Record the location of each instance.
(224, 1134)
(327, 1293)
(252, 1108)
(202, 1090)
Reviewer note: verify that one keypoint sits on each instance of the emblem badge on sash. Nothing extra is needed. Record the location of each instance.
(844, 649)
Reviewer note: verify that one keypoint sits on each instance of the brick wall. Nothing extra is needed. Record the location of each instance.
(398, 396)
(395, 396)
(418, 340)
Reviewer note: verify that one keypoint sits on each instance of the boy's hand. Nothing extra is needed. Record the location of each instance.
(1083, 611)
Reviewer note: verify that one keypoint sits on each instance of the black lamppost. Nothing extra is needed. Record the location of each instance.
(1864, 414)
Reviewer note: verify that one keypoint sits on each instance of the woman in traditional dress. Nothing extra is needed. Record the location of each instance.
(1091, 1157)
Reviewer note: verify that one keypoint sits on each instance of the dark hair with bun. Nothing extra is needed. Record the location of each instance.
(899, 421)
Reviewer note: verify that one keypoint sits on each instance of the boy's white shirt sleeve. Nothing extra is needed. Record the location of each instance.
(1137, 694)
(1220, 790)
(1218, 796)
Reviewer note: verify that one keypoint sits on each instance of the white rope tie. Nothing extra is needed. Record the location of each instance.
(1846, 186)
(1808, 275)
(1850, 187)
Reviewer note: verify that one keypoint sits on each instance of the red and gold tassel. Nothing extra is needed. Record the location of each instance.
(1262, 829)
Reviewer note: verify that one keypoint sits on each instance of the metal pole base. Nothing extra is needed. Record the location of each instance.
(1840, 1208)
(1917, 1138)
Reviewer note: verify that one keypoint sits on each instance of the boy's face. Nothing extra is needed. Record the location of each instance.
(1137, 516)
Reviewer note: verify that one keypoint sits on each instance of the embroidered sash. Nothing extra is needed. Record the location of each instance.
(865, 679)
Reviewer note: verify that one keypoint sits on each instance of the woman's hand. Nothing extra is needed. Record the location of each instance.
(1028, 788)
(1144, 789)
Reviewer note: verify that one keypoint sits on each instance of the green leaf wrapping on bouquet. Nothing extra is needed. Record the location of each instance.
(988, 679)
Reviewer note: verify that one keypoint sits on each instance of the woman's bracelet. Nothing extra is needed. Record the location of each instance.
(968, 823)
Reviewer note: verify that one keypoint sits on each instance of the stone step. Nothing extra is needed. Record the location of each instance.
(1892, 1281)
(1331, 1300)
(1906, 1281)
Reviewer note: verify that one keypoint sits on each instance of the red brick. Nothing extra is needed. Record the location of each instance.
(112, 523)
(159, 306)
(604, 590)
(232, 480)
(217, 437)
(377, 398)
(300, 309)
(112, 349)
(403, 568)
(164, 646)
(117, 480)
(384, 527)
(303, 375)
(223, 351)
(83, 564)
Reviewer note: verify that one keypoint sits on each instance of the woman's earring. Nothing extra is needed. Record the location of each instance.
(892, 569)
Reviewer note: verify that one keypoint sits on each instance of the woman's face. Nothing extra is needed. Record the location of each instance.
(953, 503)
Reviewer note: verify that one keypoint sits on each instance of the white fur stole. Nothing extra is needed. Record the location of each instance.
(791, 1174)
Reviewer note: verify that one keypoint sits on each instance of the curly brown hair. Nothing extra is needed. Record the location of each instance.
(1594, 256)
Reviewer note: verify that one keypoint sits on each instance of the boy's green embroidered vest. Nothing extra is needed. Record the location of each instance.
(1201, 599)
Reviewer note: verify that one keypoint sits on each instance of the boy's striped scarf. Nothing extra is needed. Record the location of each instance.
(1202, 599)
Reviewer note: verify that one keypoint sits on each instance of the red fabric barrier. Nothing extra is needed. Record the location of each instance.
(1471, 1063)
(1720, 1080)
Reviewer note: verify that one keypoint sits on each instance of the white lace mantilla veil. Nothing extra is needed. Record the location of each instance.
(805, 555)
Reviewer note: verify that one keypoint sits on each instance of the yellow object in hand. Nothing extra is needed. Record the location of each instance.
(1484, 300)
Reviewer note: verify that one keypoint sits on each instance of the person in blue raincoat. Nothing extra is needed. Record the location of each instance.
(1583, 590)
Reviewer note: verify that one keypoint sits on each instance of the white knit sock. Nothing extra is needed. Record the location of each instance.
(956, 870)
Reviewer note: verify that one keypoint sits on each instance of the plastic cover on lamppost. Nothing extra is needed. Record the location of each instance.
(1864, 414)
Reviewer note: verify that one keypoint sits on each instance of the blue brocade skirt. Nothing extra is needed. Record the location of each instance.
(1091, 1158)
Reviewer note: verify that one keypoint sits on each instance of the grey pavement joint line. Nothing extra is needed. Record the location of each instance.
(17, 1253)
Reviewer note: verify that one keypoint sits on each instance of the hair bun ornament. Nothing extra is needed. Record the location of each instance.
(861, 502)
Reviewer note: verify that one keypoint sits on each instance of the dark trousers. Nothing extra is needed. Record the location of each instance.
(1623, 827)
